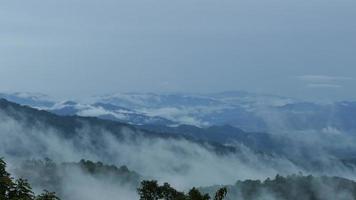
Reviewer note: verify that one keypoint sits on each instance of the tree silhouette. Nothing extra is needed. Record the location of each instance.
(5, 181)
(194, 194)
(169, 193)
(220, 194)
(19, 189)
(149, 190)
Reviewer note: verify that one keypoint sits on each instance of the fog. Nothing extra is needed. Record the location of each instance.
(180, 162)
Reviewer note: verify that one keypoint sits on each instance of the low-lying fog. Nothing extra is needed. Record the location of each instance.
(180, 162)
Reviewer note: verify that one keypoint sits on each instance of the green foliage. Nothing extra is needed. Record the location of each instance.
(19, 189)
(151, 190)
(169, 193)
(194, 194)
(296, 187)
(6, 182)
(293, 187)
(221, 194)
(110, 172)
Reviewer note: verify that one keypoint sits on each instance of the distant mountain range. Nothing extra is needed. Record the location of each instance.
(155, 135)
(67, 126)
(97, 137)
(247, 111)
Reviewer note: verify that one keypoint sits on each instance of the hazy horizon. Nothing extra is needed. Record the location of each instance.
(302, 49)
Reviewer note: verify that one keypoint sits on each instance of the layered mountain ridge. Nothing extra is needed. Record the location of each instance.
(248, 111)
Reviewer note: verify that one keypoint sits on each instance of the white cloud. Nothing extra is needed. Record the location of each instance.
(323, 85)
(324, 81)
(323, 78)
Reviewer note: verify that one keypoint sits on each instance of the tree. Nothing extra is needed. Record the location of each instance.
(149, 190)
(194, 194)
(220, 194)
(5, 180)
(169, 193)
(21, 190)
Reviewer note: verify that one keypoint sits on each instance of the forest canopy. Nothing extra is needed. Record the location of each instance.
(292, 187)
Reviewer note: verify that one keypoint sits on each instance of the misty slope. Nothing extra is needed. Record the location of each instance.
(340, 116)
(307, 149)
(183, 156)
(50, 175)
(157, 109)
(162, 156)
(224, 139)
(69, 127)
(257, 141)
(47, 174)
(216, 136)
(71, 108)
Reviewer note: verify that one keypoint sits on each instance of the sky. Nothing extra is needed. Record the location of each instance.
(71, 48)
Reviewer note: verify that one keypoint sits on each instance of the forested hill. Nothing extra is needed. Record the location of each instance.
(51, 175)
(293, 187)
(68, 126)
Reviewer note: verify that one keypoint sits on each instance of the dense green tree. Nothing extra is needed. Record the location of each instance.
(194, 194)
(221, 194)
(295, 187)
(6, 182)
(19, 189)
(169, 193)
(149, 190)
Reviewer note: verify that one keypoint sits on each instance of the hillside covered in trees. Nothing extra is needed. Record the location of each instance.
(19, 189)
(47, 174)
(293, 187)
(151, 190)
(55, 174)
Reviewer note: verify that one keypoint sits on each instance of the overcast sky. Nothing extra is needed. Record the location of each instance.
(73, 48)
